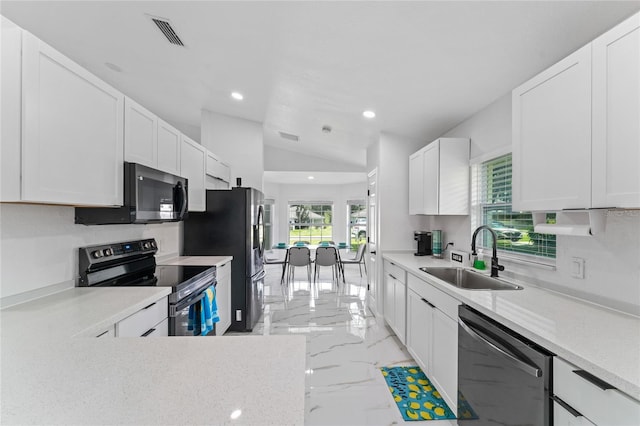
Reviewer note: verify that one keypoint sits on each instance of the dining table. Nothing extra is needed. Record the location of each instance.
(312, 248)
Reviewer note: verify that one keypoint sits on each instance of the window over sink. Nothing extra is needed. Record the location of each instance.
(491, 205)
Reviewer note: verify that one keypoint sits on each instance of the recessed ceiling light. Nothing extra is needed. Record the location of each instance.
(369, 114)
(311, 178)
(236, 414)
(237, 96)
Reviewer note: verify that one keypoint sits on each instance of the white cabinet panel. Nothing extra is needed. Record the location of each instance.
(223, 298)
(400, 308)
(419, 330)
(140, 134)
(169, 140)
(563, 417)
(552, 134)
(10, 84)
(192, 166)
(217, 169)
(431, 178)
(445, 357)
(145, 322)
(439, 178)
(616, 116)
(389, 299)
(72, 126)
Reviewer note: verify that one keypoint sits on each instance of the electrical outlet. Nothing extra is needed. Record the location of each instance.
(577, 267)
(238, 314)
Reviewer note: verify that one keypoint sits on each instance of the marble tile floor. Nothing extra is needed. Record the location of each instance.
(346, 346)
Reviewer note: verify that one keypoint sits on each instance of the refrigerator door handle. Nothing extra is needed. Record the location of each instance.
(261, 275)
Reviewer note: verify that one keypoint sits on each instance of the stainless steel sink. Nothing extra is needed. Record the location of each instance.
(469, 279)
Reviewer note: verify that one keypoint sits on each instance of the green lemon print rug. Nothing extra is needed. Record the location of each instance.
(416, 397)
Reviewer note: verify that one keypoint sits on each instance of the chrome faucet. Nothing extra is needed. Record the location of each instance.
(494, 258)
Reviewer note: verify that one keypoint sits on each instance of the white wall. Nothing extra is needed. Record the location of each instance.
(239, 143)
(39, 245)
(282, 160)
(396, 225)
(339, 194)
(612, 259)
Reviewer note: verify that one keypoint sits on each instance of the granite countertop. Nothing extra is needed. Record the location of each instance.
(53, 372)
(216, 261)
(597, 339)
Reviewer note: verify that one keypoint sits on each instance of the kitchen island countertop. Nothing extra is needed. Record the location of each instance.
(54, 373)
(600, 340)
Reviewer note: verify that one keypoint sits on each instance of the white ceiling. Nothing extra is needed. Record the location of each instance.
(317, 178)
(422, 66)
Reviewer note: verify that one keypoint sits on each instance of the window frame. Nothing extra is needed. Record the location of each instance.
(291, 223)
(477, 210)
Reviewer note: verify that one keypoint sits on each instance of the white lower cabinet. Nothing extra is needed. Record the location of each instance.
(589, 400)
(223, 298)
(420, 330)
(152, 320)
(432, 335)
(395, 299)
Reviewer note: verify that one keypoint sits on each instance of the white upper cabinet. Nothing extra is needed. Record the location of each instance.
(192, 165)
(72, 131)
(217, 169)
(439, 178)
(10, 84)
(140, 134)
(150, 141)
(169, 141)
(576, 128)
(616, 117)
(552, 137)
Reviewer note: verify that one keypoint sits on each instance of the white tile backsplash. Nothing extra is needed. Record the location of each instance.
(39, 244)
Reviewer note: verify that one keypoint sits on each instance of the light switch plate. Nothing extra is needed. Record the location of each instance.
(577, 267)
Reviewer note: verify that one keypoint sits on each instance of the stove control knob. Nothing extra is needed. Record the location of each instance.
(153, 244)
(97, 254)
(107, 252)
(146, 245)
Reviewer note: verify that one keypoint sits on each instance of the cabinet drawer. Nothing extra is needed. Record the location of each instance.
(445, 303)
(159, 330)
(602, 407)
(561, 416)
(142, 321)
(397, 272)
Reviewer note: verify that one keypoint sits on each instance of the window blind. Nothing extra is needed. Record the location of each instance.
(491, 205)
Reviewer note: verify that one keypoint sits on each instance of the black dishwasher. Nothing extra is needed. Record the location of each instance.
(503, 378)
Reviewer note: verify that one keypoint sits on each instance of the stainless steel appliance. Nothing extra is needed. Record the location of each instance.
(132, 263)
(424, 242)
(233, 224)
(150, 196)
(503, 378)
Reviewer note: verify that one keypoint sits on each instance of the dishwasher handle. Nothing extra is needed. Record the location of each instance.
(520, 364)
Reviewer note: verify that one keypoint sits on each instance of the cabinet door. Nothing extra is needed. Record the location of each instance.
(453, 188)
(223, 298)
(140, 134)
(10, 75)
(416, 183)
(192, 166)
(169, 140)
(419, 330)
(445, 357)
(389, 299)
(431, 172)
(400, 310)
(616, 116)
(552, 137)
(561, 416)
(217, 168)
(72, 131)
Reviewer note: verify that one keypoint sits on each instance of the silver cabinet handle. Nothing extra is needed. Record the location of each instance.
(594, 380)
(529, 369)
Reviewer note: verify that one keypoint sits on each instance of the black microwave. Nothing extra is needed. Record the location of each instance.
(150, 196)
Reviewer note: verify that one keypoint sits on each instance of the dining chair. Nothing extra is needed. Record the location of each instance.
(271, 259)
(358, 258)
(327, 256)
(299, 256)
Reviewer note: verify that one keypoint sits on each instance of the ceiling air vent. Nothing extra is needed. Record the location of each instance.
(168, 31)
(289, 136)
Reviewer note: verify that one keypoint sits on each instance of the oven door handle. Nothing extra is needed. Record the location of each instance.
(520, 364)
(174, 309)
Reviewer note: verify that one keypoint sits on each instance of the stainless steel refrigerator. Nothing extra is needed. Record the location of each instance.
(233, 224)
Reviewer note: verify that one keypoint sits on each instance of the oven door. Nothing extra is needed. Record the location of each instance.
(185, 317)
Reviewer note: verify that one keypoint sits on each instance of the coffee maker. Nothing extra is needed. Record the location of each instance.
(424, 242)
